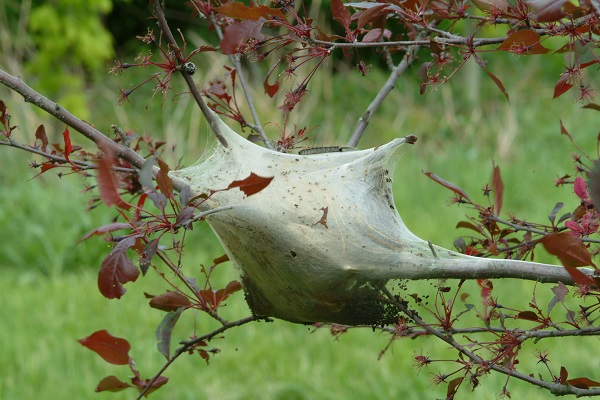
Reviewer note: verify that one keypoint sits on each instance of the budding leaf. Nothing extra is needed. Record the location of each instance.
(112, 349)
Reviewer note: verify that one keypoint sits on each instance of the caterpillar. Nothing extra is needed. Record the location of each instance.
(324, 149)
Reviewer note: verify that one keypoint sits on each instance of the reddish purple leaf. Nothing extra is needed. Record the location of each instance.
(340, 13)
(547, 10)
(580, 188)
(563, 85)
(592, 106)
(112, 349)
(241, 11)
(163, 180)
(184, 217)
(271, 90)
(231, 288)
(215, 298)
(112, 384)
(108, 183)
(448, 185)
(170, 301)
(491, 5)
(3, 109)
(238, 33)
(563, 375)
(370, 14)
(453, 386)
(117, 269)
(572, 253)
(565, 132)
(498, 83)
(105, 229)
(323, 220)
(372, 36)
(528, 315)
(523, 42)
(40, 134)
(149, 252)
(68, 146)
(252, 184)
(498, 187)
(560, 292)
(220, 260)
(583, 383)
(468, 225)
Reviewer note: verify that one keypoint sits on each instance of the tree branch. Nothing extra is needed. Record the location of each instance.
(208, 113)
(364, 120)
(191, 343)
(554, 388)
(58, 159)
(235, 60)
(60, 113)
(87, 130)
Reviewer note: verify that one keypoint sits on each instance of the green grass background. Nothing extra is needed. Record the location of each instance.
(48, 288)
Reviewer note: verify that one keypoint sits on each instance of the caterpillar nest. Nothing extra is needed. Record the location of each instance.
(320, 239)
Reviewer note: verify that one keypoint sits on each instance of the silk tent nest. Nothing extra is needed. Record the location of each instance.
(320, 240)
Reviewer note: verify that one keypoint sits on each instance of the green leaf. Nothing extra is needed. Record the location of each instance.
(165, 330)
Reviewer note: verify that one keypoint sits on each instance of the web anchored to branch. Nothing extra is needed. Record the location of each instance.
(315, 244)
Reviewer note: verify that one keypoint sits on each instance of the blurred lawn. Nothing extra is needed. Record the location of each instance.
(48, 290)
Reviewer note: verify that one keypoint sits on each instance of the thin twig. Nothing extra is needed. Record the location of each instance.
(364, 120)
(235, 60)
(208, 113)
(191, 343)
(518, 227)
(58, 159)
(62, 114)
(554, 388)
